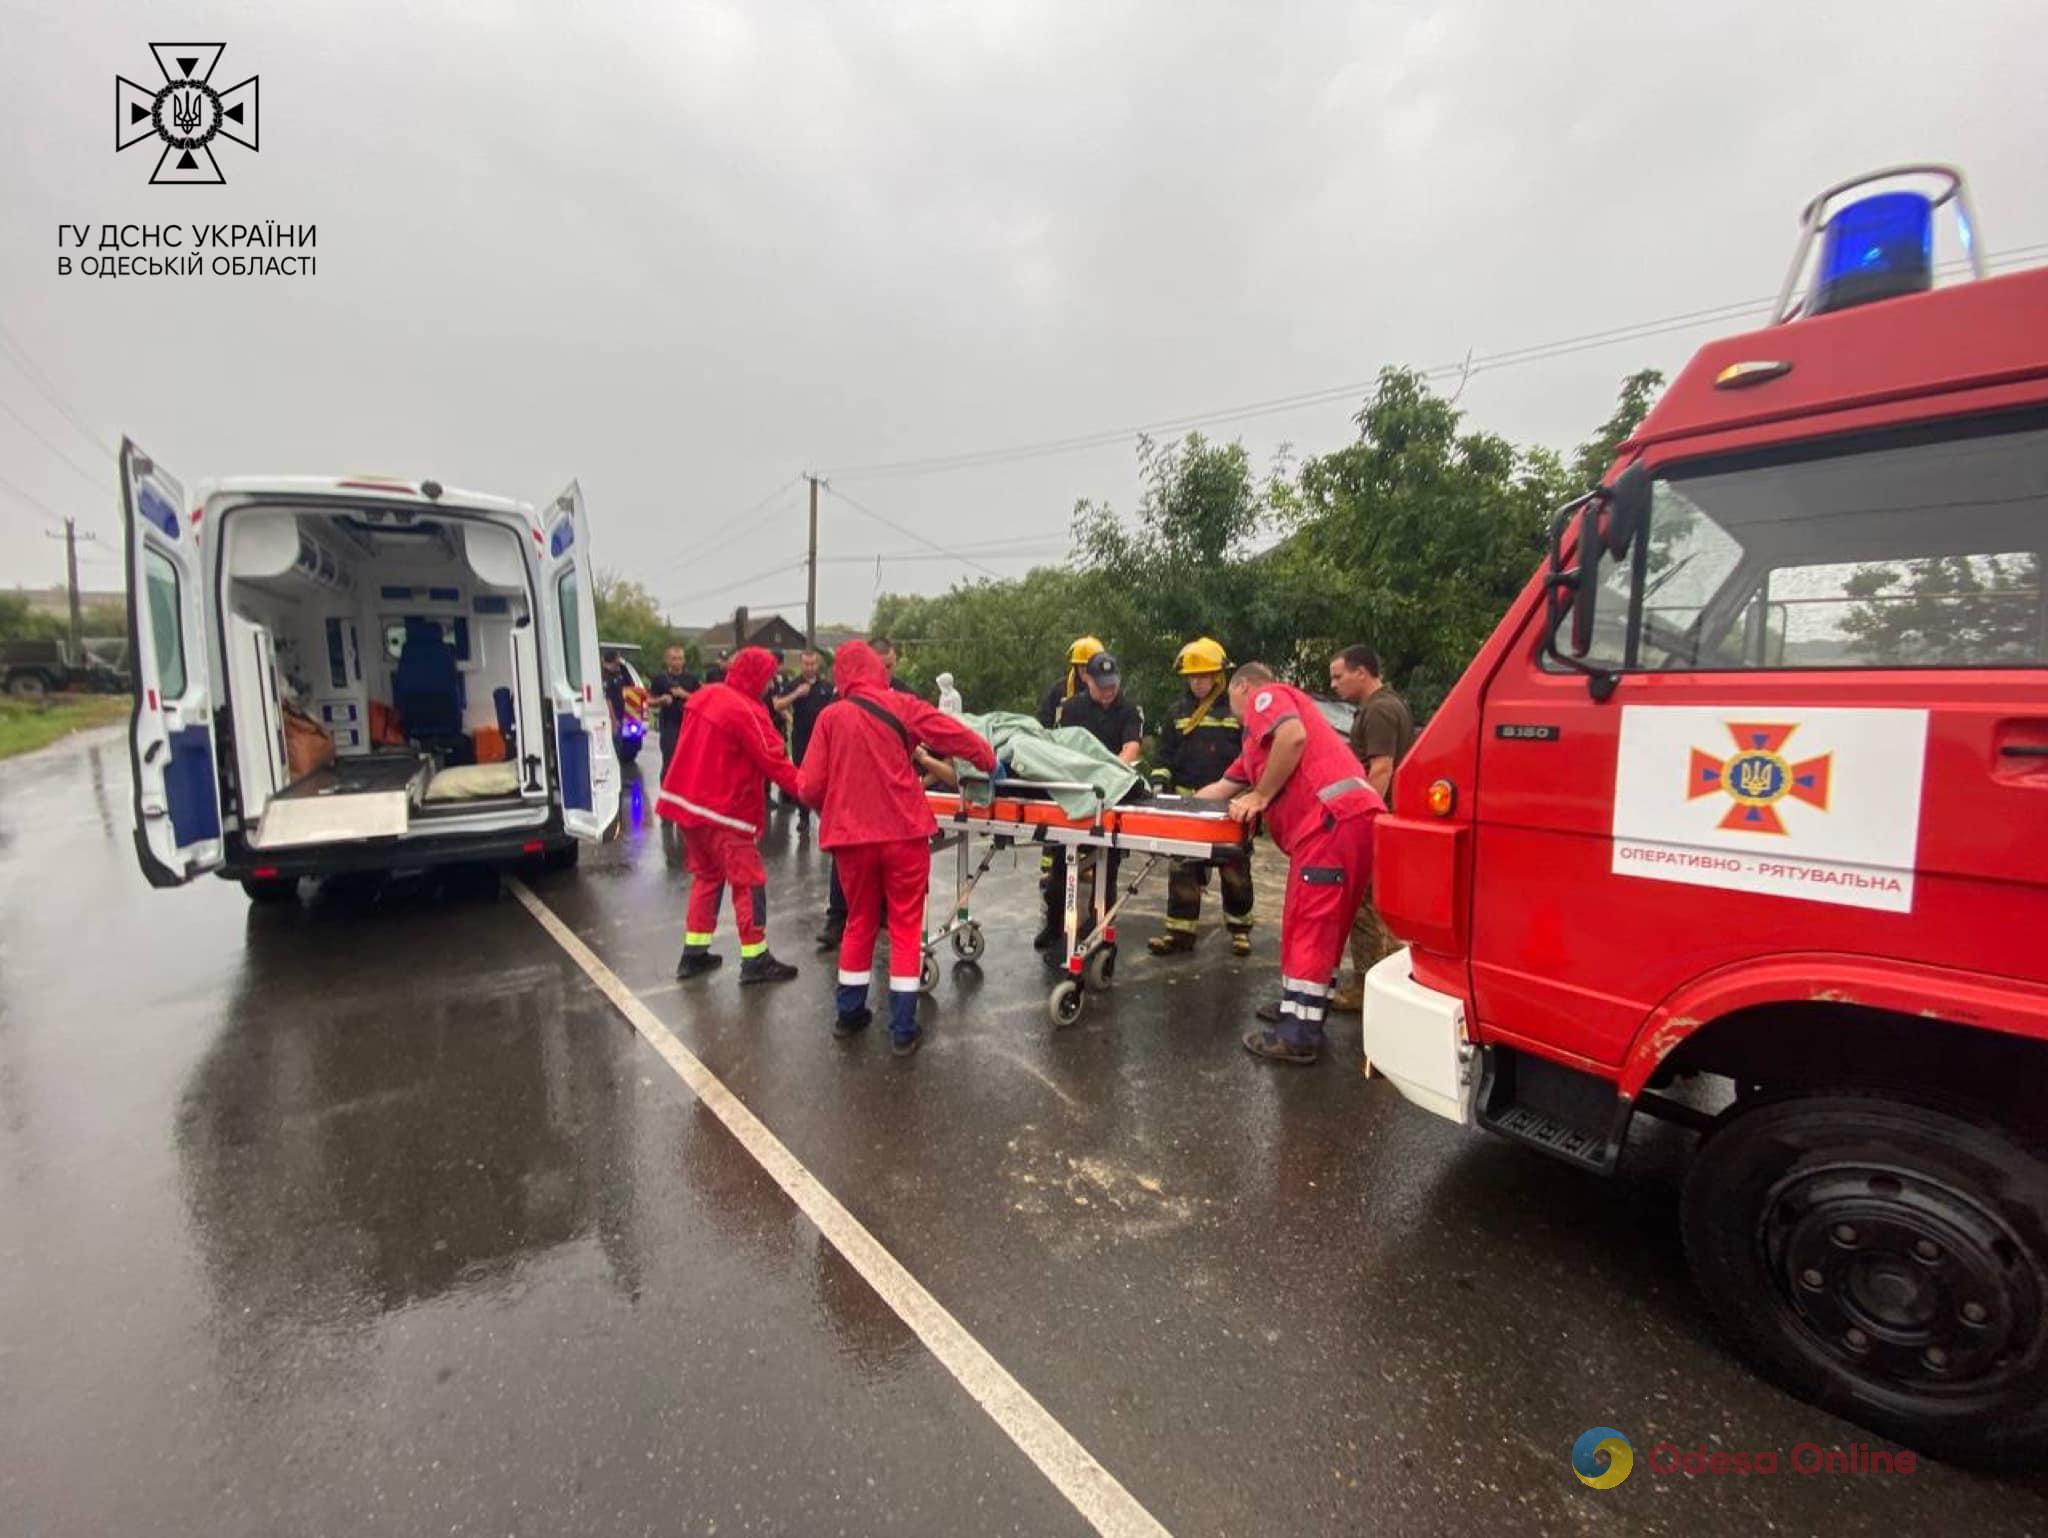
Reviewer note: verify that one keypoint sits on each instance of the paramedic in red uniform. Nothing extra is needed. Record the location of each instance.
(1299, 776)
(715, 788)
(862, 775)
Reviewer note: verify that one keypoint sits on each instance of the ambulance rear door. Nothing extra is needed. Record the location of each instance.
(171, 735)
(587, 767)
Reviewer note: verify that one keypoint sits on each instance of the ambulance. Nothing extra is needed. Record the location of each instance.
(359, 675)
(1740, 820)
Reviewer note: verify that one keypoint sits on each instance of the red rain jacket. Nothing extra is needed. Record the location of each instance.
(729, 746)
(859, 773)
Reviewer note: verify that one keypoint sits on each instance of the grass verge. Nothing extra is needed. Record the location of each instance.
(24, 727)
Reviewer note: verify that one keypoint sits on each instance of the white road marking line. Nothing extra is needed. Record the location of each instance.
(1092, 1490)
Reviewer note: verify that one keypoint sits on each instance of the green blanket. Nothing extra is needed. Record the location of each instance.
(1062, 753)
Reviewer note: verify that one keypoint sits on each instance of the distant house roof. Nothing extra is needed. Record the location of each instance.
(770, 630)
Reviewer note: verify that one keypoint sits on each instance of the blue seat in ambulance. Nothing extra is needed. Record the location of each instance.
(426, 686)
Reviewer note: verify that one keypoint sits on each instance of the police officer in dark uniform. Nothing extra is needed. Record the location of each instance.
(1112, 718)
(1201, 741)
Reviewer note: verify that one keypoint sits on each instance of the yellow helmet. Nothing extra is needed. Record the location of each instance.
(1201, 656)
(1082, 650)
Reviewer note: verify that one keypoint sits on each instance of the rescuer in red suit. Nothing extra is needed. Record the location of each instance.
(714, 786)
(1303, 781)
(861, 773)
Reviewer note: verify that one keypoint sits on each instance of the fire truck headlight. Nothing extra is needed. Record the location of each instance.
(1441, 797)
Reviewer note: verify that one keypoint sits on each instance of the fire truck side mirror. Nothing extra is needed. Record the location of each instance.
(1628, 509)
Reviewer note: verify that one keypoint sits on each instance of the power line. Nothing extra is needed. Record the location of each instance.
(910, 533)
(98, 478)
(56, 518)
(892, 556)
(973, 459)
(741, 526)
(726, 587)
(37, 378)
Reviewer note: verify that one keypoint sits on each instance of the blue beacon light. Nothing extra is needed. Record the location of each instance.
(1876, 248)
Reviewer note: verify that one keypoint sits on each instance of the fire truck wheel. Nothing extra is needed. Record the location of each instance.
(270, 889)
(1886, 1260)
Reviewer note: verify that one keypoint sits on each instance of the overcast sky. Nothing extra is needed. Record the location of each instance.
(684, 251)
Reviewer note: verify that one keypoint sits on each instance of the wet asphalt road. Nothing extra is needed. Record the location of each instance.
(371, 1215)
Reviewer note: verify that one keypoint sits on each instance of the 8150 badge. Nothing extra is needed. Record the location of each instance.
(187, 113)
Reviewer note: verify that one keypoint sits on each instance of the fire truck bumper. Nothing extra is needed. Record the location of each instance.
(1415, 1038)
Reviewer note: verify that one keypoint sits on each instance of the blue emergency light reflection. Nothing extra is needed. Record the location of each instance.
(636, 807)
(1876, 248)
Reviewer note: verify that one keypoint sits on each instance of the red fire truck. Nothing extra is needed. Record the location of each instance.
(1740, 819)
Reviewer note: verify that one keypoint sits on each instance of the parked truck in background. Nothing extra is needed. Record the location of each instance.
(1740, 819)
(30, 669)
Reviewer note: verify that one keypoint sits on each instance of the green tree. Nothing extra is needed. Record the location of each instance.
(1413, 539)
(1186, 566)
(1596, 454)
(14, 617)
(1003, 642)
(627, 614)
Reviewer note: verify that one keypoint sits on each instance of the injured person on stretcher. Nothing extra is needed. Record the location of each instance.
(1079, 820)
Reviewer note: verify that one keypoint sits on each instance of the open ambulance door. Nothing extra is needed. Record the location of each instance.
(170, 731)
(587, 781)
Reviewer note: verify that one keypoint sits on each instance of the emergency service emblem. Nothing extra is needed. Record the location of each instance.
(1757, 777)
(188, 114)
(1821, 805)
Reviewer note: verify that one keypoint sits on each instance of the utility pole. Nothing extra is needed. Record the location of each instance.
(811, 574)
(71, 537)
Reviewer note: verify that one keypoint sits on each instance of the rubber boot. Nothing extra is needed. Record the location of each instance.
(851, 1000)
(1171, 943)
(695, 963)
(1240, 942)
(764, 968)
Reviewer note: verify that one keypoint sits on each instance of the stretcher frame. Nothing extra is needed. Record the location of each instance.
(1150, 830)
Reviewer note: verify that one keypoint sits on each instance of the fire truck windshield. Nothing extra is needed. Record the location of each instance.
(1919, 547)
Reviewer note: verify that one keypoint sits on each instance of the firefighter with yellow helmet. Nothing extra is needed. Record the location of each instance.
(1199, 742)
(1069, 683)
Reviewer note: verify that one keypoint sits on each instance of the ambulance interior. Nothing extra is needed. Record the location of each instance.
(382, 674)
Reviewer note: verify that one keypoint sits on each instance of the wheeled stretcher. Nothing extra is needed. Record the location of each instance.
(1021, 812)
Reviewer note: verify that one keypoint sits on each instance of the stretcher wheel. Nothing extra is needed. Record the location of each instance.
(1100, 967)
(928, 973)
(1064, 1002)
(968, 943)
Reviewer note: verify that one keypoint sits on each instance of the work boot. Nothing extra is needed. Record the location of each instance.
(830, 936)
(1276, 1048)
(1047, 937)
(1240, 942)
(850, 1001)
(904, 1035)
(697, 963)
(1348, 1000)
(1172, 943)
(1270, 1013)
(764, 968)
